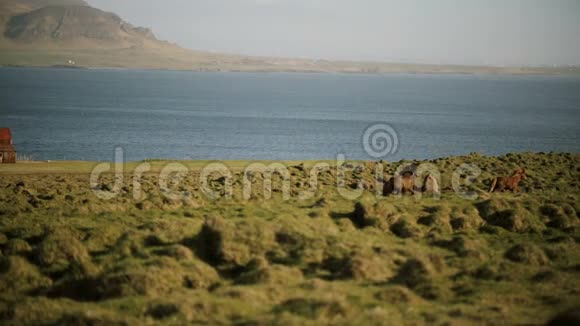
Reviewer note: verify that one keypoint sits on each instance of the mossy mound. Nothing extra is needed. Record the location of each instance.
(222, 242)
(178, 252)
(437, 218)
(465, 247)
(421, 274)
(397, 295)
(404, 228)
(153, 278)
(102, 238)
(17, 247)
(20, 276)
(199, 275)
(376, 214)
(527, 254)
(510, 215)
(369, 268)
(130, 244)
(262, 273)
(163, 310)
(465, 218)
(60, 248)
(361, 265)
(560, 217)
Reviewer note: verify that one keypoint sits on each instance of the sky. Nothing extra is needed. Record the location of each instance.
(473, 32)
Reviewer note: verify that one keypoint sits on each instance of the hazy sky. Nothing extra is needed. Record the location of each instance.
(493, 32)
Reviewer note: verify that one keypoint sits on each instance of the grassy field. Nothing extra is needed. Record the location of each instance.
(84, 167)
(68, 257)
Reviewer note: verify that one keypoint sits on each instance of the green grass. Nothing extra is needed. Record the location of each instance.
(85, 167)
(67, 256)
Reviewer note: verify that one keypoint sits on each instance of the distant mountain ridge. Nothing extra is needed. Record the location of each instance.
(45, 33)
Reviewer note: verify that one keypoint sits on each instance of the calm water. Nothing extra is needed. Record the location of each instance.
(83, 114)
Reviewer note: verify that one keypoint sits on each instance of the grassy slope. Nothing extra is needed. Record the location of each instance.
(68, 257)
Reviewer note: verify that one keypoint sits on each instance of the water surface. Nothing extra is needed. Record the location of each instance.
(75, 114)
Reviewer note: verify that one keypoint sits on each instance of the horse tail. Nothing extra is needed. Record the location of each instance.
(493, 184)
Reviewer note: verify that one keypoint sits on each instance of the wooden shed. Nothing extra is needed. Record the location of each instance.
(7, 150)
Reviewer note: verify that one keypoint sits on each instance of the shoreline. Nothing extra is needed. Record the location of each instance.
(494, 71)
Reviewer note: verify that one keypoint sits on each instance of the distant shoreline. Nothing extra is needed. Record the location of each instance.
(494, 71)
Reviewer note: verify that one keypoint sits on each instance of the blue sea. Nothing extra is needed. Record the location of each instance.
(82, 114)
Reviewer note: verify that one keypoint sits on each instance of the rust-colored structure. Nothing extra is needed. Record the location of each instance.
(7, 150)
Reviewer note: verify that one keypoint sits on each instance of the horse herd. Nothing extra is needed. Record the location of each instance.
(405, 183)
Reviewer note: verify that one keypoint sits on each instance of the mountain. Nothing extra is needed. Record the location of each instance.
(76, 26)
(60, 32)
(56, 32)
(70, 24)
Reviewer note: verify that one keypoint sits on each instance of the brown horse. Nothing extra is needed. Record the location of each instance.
(400, 184)
(501, 184)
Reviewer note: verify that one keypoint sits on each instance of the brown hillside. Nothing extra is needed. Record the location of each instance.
(76, 26)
